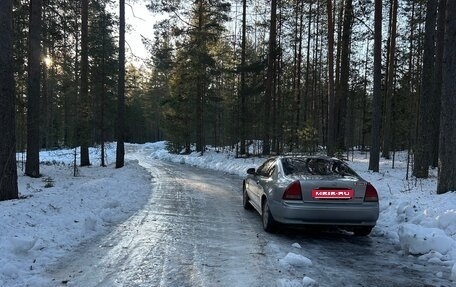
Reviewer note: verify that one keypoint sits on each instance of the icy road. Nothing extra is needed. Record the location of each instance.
(193, 231)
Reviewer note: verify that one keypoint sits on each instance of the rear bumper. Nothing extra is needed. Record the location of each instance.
(364, 214)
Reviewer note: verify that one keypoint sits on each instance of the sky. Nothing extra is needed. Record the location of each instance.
(140, 21)
(49, 223)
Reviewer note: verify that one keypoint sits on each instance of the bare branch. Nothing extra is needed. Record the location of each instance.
(133, 12)
(364, 23)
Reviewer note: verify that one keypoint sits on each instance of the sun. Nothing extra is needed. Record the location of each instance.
(47, 61)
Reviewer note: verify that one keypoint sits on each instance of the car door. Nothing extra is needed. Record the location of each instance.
(261, 179)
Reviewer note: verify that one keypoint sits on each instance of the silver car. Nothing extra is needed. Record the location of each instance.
(311, 190)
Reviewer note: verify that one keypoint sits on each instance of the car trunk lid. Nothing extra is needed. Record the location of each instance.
(335, 189)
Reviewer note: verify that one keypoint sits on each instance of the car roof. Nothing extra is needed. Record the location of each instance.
(308, 156)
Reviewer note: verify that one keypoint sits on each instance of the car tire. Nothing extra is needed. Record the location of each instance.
(245, 199)
(269, 224)
(362, 231)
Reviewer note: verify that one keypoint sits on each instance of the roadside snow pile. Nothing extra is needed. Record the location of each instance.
(67, 156)
(296, 245)
(294, 259)
(453, 273)
(422, 233)
(289, 283)
(48, 222)
(418, 240)
(306, 282)
(223, 161)
(309, 282)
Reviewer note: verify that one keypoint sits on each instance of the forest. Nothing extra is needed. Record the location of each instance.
(259, 77)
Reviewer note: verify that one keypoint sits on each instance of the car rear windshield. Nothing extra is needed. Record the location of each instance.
(316, 166)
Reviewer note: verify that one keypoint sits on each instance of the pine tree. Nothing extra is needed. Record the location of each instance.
(331, 93)
(84, 129)
(120, 122)
(447, 152)
(270, 83)
(376, 102)
(387, 128)
(32, 166)
(102, 73)
(423, 147)
(8, 171)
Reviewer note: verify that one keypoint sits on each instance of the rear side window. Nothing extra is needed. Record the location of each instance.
(267, 169)
(316, 166)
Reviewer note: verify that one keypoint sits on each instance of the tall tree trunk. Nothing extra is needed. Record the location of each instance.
(342, 87)
(409, 92)
(103, 92)
(447, 152)
(377, 97)
(387, 134)
(200, 84)
(307, 99)
(364, 101)
(438, 82)
(298, 92)
(316, 92)
(8, 169)
(84, 99)
(331, 94)
(120, 150)
(269, 94)
(423, 142)
(340, 21)
(32, 165)
(243, 87)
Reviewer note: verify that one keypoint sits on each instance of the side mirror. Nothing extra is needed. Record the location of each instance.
(251, 171)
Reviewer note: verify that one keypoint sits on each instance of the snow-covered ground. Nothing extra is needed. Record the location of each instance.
(58, 211)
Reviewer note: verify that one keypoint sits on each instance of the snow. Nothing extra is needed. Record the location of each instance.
(306, 282)
(309, 282)
(294, 259)
(417, 239)
(453, 273)
(296, 245)
(49, 222)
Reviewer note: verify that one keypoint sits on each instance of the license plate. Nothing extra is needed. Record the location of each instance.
(333, 193)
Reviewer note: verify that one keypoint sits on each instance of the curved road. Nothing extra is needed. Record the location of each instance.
(193, 231)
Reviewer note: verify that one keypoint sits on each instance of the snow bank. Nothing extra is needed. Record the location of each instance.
(419, 240)
(47, 223)
(453, 273)
(217, 160)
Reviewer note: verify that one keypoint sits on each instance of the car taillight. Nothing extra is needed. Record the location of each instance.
(293, 191)
(371, 193)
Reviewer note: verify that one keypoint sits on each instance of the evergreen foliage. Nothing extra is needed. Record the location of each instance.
(269, 78)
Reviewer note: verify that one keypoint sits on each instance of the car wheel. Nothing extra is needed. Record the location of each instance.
(269, 224)
(362, 231)
(245, 199)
